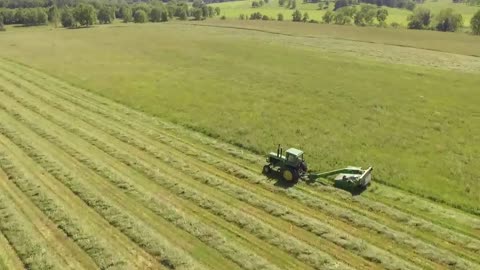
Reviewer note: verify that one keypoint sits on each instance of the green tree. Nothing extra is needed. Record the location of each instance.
(265, 18)
(105, 15)
(279, 17)
(305, 17)
(217, 11)
(255, 4)
(2, 28)
(328, 16)
(448, 21)
(126, 14)
(205, 11)
(281, 2)
(365, 15)
(53, 15)
(242, 17)
(197, 4)
(41, 16)
(197, 14)
(182, 15)
(85, 14)
(294, 4)
(297, 16)
(140, 16)
(475, 23)
(382, 14)
(345, 15)
(211, 11)
(165, 15)
(420, 19)
(67, 18)
(156, 14)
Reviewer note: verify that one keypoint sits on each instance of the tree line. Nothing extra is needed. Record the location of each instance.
(447, 20)
(370, 15)
(12, 4)
(89, 14)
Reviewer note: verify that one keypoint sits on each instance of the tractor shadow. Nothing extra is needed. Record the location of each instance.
(279, 181)
(348, 187)
(345, 186)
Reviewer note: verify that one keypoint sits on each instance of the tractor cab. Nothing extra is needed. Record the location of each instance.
(293, 156)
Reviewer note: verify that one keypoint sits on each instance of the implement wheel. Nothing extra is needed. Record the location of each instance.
(289, 175)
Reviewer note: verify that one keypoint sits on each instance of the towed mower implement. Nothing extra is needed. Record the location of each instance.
(292, 167)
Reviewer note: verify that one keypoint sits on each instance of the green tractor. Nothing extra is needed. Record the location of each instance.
(292, 166)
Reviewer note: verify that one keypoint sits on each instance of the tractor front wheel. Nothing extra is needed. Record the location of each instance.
(266, 169)
(290, 175)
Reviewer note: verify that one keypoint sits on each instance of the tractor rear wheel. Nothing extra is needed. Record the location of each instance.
(266, 169)
(289, 174)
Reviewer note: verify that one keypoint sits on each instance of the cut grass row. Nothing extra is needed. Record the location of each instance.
(166, 253)
(9, 258)
(23, 238)
(277, 238)
(424, 249)
(102, 255)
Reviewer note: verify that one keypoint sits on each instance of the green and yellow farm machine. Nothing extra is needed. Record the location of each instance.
(292, 167)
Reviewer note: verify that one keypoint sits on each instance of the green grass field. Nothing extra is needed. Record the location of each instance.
(235, 8)
(170, 175)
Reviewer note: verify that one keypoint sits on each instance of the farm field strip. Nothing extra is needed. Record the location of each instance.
(49, 205)
(425, 249)
(33, 243)
(444, 216)
(141, 233)
(182, 179)
(179, 219)
(290, 244)
(367, 253)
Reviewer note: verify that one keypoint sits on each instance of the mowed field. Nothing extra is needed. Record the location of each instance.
(233, 10)
(89, 183)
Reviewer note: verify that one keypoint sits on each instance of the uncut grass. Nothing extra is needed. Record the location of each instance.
(24, 239)
(167, 254)
(386, 96)
(276, 238)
